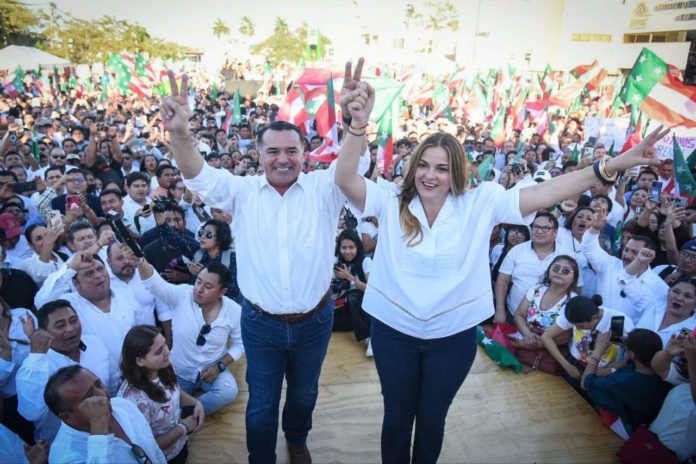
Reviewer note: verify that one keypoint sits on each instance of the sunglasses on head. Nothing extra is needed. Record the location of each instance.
(563, 270)
(205, 330)
(206, 233)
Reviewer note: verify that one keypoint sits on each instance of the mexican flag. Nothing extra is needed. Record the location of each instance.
(486, 166)
(441, 103)
(682, 183)
(655, 88)
(519, 111)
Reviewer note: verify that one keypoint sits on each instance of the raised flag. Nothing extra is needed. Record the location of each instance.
(326, 127)
(385, 136)
(658, 92)
(498, 128)
(236, 109)
(575, 154)
(682, 183)
(293, 110)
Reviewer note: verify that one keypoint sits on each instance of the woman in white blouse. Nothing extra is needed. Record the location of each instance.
(430, 286)
(150, 383)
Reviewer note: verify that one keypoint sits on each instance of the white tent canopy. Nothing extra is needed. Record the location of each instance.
(28, 58)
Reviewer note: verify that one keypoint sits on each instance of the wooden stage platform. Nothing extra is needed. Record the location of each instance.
(497, 417)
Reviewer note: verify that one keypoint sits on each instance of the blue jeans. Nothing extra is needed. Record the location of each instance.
(274, 350)
(419, 380)
(216, 395)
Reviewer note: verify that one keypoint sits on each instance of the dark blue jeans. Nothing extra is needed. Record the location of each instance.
(419, 380)
(274, 350)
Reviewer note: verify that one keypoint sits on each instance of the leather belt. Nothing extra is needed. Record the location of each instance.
(296, 317)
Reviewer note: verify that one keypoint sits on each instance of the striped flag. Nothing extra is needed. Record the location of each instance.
(659, 92)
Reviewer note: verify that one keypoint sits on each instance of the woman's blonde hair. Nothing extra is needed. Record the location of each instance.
(459, 181)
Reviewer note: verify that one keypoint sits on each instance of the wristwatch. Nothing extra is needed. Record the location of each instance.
(222, 366)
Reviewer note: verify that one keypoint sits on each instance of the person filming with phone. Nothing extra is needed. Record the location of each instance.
(634, 392)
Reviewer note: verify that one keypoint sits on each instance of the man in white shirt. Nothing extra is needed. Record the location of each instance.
(96, 429)
(125, 275)
(525, 264)
(610, 269)
(59, 342)
(104, 313)
(205, 323)
(137, 202)
(284, 227)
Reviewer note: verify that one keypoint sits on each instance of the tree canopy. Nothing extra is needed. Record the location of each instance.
(284, 44)
(79, 40)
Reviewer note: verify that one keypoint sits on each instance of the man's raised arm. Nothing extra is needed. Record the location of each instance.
(175, 114)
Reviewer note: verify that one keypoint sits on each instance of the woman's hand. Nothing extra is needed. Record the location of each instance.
(199, 415)
(343, 273)
(361, 99)
(573, 371)
(642, 154)
(195, 268)
(602, 343)
(599, 220)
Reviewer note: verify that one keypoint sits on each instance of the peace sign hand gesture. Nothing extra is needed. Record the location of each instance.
(174, 110)
(358, 96)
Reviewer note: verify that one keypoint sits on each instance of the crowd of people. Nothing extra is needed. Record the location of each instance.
(145, 249)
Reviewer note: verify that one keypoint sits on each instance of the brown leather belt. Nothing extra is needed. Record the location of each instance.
(296, 317)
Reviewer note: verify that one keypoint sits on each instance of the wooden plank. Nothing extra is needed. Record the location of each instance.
(497, 417)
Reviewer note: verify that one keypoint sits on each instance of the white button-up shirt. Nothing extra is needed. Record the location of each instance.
(442, 285)
(147, 303)
(284, 244)
(111, 327)
(75, 446)
(33, 376)
(130, 207)
(187, 320)
(526, 269)
(609, 271)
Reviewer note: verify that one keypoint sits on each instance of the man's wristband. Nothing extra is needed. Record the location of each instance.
(187, 431)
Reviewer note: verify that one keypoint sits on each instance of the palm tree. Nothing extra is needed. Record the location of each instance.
(246, 27)
(220, 28)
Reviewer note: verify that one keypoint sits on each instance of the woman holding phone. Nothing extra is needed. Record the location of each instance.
(429, 286)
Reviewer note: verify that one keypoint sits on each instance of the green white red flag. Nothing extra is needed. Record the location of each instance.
(655, 87)
(682, 183)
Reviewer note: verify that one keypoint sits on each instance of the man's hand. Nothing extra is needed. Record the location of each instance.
(599, 220)
(97, 410)
(210, 373)
(37, 453)
(174, 109)
(195, 268)
(106, 237)
(645, 256)
(81, 260)
(40, 341)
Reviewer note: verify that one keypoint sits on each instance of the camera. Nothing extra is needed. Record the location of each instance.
(339, 285)
(13, 137)
(516, 168)
(350, 220)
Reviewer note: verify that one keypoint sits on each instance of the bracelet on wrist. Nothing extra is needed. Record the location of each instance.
(187, 431)
(356, 134)
(358, 128)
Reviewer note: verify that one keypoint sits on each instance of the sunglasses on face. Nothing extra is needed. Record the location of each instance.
(563, 270)
(205, 330)
(206, 233)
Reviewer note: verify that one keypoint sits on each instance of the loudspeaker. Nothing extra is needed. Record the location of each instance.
(690, 69)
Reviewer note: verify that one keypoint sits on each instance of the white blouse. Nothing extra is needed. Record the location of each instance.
(442, 285)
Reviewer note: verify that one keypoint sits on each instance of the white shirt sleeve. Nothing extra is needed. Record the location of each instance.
(55, 286)
(563, 323)
(11, 447)
(376, 199)
(505, 205)
(32, 378)
(170, 294)
(217, 187)
(234, 319)
(508, 264)
(367, 265)
(597, 257)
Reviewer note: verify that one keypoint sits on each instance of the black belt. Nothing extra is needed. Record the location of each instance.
(296, 317)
